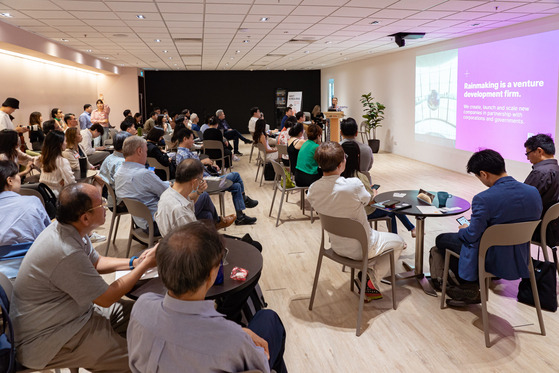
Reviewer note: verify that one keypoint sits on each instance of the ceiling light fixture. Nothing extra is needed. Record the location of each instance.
(65, 40)
(106, 58)
(7, 15)
(264, 19)
(328, 42)
(140, 16)
(374, 23)
(475, 24)
(231, 58)
(158, 40)
(88, 50)
(306, 52)
(246, 41)
(165, 51)
(237, 51)
(170, 58)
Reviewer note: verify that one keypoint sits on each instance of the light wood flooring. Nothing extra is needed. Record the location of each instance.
(418, 336)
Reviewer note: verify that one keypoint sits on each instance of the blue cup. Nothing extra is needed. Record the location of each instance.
(442, 196)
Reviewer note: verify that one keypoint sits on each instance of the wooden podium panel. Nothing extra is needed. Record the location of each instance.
(334, 117)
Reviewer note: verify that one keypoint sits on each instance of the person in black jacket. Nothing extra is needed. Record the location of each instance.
(154, 136)
(213, 133)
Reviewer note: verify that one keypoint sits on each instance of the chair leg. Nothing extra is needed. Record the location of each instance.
(273, 200)
(315, 282)
(280, 205)
(393, 279)
(389, 225)
(130, 237)
(262, 174)
(536, 296)
(361, 301)
(484, 316)
(116, 229)
(445, 277)
(110, 231)
(257, 170)
(351, 286)
(251, 151)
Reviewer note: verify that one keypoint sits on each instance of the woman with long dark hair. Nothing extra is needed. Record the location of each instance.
(154, 137)
(36, 134)
(9, 151)
(260, 137)
(296, 140)
(56, 171)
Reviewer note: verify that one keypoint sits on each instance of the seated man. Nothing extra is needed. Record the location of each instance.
(63, 312)
(187, 329)
(349, 130)
(96, 155)
(506, 201)
(185, 138)
(540, 151)
(213, 133)
(113, 162)
(133, 180)
(347, 198)
(230, 133)
(128, 126)
(23, 218)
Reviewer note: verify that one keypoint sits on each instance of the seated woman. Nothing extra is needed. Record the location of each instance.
(56, 171)
(307, 171)
(260, 137)
(9, 151)
(154, 137)
(283, 138)
(351, 149)
(296, 140)
(36, 134)
(74, 152)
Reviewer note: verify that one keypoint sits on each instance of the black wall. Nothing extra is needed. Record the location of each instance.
(204, 92)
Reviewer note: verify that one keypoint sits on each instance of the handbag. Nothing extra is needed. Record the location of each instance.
(546, 281)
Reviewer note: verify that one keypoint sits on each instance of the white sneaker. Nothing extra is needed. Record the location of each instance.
(96, 237)
(235, 158)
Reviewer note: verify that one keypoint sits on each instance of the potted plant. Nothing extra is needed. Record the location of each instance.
(374, 114)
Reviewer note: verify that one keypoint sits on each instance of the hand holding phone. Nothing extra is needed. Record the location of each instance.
(375, 186)
(463, 221)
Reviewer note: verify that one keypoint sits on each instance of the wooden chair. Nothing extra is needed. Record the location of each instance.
(349, 228)
(280, 183)
(117, 212)
(158, 166)
(138, 209)
(498, 235)
(218, 145)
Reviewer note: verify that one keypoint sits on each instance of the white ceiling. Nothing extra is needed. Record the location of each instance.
(229, 34)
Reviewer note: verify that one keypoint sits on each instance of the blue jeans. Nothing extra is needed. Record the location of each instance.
(237, 190)
(378, 213)
(204, 208)
(267, 324)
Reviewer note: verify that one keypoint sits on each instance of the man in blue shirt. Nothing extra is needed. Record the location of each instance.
(506, 201)
(112, 163)
(288, 113)
(85, 117)
(230, 133)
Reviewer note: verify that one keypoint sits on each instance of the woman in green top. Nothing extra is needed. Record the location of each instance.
(307, 171)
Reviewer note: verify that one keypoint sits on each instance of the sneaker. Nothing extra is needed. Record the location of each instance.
(225, 221)
(238, 153)
(371, 293)
(235, 158)
(466, 293)
(245, 220)
(250, 203)
(96, 237)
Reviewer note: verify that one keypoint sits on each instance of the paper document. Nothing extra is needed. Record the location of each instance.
(399, 195)
(150, 273)
(429, 210)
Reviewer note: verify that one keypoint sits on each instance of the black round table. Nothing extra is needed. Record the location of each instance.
(241, 254)
(460, 205)
(219, 187)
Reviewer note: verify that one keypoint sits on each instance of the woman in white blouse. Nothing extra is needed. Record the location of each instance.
(55, 169)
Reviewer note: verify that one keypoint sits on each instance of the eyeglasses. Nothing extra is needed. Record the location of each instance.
(103, 204)
(533, 150)
(345, 155)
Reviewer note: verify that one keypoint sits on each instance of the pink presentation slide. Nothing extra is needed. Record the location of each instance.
(507, 91)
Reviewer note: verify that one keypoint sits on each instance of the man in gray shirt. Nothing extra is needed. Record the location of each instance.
(59, 293)
(349, 130)
(180, 329)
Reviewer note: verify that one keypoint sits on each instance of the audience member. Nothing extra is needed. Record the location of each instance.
(346, 198)
(128, 126)
(349, 131)
(50, 125)
(71, 121)
(283, 139)
(240, 200)
(74, 150)
(96, 155)
(255, 115)
(58, 116)
(8, 107)
(260, 137)
(300, 116)
(230, 133)
(505, 201)
(64, 313)
(540, 151)
(127, 113)
(112, 163)
(194, 119)
(294, 144)
(101, 116)
(36, 134)
(56, 172)
(150, 123)
(288, 113)
(154, 137)
(138, 120)
(188, 262)
(307, 171)
(317, 116)
(213, 133)
(85, 117)
(9, 151)
(206, 124)
(23, 217)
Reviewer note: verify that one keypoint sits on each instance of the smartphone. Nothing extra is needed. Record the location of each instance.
(375, 186)
(462, 220)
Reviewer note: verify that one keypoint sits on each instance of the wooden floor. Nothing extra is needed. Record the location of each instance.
(418, 336)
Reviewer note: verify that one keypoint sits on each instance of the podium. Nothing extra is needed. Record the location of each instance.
(334, 117)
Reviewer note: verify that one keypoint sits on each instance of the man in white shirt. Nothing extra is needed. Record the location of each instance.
(6, 111)
(255, 112)
(335, 195)
(96, 155)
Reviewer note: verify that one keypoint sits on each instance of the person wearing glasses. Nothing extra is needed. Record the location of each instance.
(63, 312)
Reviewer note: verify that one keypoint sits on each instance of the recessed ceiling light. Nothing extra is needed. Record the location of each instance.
(374, 23)
(306, 52)
(227, 64)
(328, 42)
(231, 58)
(246, 41)
(475, 24)
(170, 58)
(264, 19)
(7, 15)
(237, 51)
(121, 64)
(88, 50)
(165, 51)
(158, 40)
(140, 16)
(106, 58)
(175, 64)
(65, 40)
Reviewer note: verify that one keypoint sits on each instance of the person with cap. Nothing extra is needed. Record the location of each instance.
(8, 107)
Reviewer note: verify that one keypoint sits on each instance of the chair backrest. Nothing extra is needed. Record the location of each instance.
(505, 235)
(158, 166)
(31, 192)
(280, 173)
(138, 209)
(307, 116)
(110, 190)
(282, 150)
(169, 143)
(261, 151)
(213, 144)
(345, 227)
(551, 214)
(198, 134)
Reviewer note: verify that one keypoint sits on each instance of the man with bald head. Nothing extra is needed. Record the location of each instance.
(64, 313)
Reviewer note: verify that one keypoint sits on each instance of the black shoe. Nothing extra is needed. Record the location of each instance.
(248, 142)
(437, 284)
(238, 153)
(250, 203)
(467, 293)
(461, 303)
(245, 220)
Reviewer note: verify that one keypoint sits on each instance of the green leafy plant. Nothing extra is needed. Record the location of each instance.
(374, 113)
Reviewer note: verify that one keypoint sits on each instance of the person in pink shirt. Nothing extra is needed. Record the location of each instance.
(101, 116)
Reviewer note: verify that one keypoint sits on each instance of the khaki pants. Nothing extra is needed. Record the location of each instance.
(100, 346)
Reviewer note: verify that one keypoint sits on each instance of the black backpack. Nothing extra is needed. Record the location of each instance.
(48, 197)
(7, 348)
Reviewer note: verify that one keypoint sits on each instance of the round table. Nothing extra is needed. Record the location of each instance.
(241, 254)
(460, 206)
(219, 187)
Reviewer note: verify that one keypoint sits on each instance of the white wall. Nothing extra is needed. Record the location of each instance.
(391, 79)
